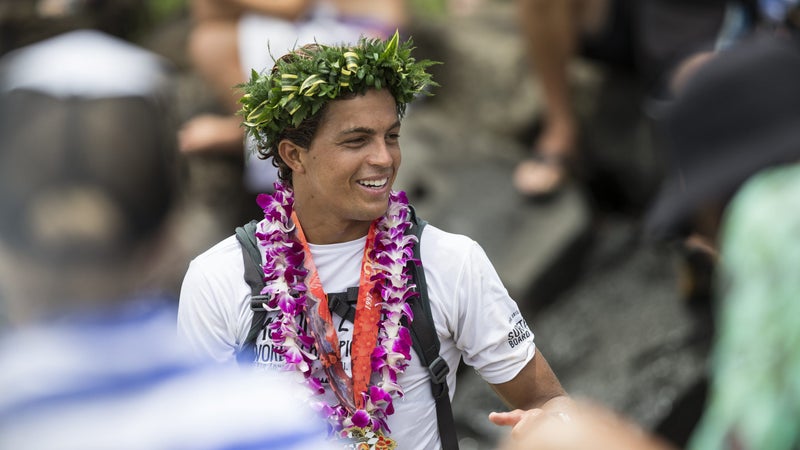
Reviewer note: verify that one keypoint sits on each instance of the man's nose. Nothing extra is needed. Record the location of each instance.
(381, 154)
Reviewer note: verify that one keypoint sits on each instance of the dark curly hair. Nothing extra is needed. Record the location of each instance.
(302, 134)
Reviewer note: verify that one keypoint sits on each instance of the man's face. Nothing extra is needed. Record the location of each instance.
(352, 161)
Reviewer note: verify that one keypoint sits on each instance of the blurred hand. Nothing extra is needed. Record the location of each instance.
(209, 133)
(584, 426)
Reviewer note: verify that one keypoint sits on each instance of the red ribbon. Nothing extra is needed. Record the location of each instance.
(365, 328)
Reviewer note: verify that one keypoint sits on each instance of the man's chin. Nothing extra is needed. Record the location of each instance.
(374, 212)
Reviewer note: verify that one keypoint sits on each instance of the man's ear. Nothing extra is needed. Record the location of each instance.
(292, 155)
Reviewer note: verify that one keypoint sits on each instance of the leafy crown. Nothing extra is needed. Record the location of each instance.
(298, 86)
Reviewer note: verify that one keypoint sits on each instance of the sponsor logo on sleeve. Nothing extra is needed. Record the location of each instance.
(520, 331)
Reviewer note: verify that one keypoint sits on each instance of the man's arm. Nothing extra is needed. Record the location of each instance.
(546, 418)
(535, 389)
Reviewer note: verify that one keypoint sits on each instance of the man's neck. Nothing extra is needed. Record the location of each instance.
(323, 231)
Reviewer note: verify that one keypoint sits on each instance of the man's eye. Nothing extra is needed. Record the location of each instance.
(355, 141)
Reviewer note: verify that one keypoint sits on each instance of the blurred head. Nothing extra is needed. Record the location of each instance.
(86, 153)
(738, 114)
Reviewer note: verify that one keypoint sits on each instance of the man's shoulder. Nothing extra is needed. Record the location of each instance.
(441, 240)
(224, 251)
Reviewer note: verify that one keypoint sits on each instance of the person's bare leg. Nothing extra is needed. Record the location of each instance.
(551, 29)
(213, 50)
(212, 133)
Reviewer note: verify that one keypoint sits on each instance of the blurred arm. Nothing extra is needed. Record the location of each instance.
(221, 9)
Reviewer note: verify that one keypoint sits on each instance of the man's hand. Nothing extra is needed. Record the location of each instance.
(520, 419)
(511, 418)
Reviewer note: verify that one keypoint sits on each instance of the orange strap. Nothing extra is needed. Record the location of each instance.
(368, 312)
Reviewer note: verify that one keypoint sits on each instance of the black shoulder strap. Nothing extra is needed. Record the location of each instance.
(426, 343)
(422, 329)
(253, 275)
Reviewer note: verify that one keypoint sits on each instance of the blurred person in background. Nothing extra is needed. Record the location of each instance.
(89, 353)
(644, 39)
(733, 120)
(733, 185)
(659, 44)
(23, 23)
(755, 392)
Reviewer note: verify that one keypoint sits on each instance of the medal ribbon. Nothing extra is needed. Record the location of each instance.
(368, 312)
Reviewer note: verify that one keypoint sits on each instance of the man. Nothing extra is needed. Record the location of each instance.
(329, 117)
(90, 357)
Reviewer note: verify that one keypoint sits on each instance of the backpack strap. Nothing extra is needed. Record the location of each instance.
(343, 303)
(254, 276)
(423, 332)
(426, 343)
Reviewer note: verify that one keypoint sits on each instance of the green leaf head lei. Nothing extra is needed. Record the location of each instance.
(304, 80)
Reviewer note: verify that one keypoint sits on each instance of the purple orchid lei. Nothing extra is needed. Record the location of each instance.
(284, 276)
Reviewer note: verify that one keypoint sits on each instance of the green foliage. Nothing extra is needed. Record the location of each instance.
(428, 8)
(298, 86)
(161, 9)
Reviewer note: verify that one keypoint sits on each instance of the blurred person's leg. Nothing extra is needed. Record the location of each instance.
(552, 29)
(213, 51)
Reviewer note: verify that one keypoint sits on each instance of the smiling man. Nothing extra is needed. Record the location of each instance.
(329, 118)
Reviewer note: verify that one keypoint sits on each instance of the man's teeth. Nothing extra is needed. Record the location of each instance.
(374, 183)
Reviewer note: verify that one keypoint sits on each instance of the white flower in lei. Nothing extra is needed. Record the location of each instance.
(284, 275)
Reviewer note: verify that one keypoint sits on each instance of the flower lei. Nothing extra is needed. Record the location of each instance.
(284, 276)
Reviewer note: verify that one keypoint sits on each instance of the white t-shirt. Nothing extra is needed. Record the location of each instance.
(474, 316)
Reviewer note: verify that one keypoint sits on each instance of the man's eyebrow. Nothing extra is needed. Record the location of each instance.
(366, 130)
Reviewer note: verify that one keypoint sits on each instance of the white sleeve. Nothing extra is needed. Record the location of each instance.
(213, 317)
(491, 332)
